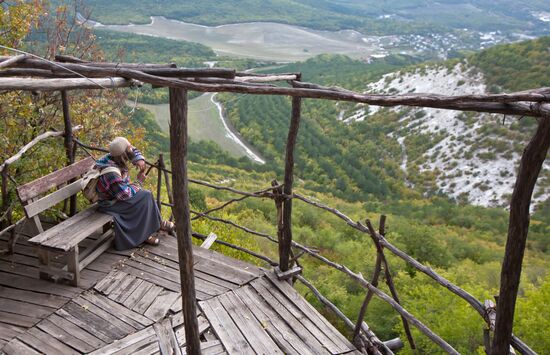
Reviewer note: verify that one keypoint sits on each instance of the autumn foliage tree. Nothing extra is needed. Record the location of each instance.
(37, 27)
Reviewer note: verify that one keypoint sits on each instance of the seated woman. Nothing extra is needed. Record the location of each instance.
(134, 210)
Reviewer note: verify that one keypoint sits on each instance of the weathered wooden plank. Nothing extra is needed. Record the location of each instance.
(118, 277)
(143, 304)
(121, 287)
(30, 284)
(75, 330)
(65, 336)
(285, 337)
(8, 331)
(297, 326)
(25, 309)
(104, 283)
(18, 269)
(214, 347)
(129, 290)
(209, 241)
(34, 208)
(151, 349)
(154, 255)
(177, 319)
(81, 321)
(170, 274)
(126, 315)
(256, 336)
(179, 331)
(161, 305)
(177, 305)
(33, 297)
(45, 343)
(224, 327)
(309, 311)
(152, 276)
(122, 345)
(17, 319)
(215, 280)
(45, 183)
(137, 295)
(167, 339)
(78, 227)
(17, 347)
(95, 250)
(105, 262)
(223, 271)
(226, 260)
(107, 318)
(312, 325)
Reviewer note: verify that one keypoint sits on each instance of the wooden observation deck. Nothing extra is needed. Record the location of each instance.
(130, 303)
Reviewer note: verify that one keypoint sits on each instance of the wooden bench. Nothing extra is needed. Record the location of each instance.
(65, 237)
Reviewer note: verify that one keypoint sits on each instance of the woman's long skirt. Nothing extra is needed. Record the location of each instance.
(135, 219)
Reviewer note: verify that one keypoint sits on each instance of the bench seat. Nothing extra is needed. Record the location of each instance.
(66, 235)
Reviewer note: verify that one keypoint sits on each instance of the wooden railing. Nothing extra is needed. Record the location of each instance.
(72, 73)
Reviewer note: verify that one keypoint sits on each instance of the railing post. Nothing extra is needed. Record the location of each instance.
(286, 242)
(180, 184)
(68, 143)
(159, 180)
(5, 200)
(529, 168)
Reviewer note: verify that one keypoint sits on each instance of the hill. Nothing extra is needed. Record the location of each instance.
(375, 151)
(370, 16)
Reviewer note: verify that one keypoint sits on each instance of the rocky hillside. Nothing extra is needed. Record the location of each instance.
(469, 157)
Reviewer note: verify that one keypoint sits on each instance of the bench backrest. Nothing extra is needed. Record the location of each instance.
(29, 193)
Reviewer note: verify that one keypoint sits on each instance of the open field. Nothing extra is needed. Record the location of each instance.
(205, 123)
(262, 40)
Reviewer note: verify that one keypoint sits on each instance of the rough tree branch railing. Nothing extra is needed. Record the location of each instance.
(512, 104)
(357, 277)
(380, 241)
(476, 304)
(65, 83)
(32, 143)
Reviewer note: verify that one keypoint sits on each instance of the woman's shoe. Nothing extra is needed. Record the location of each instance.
(152, 240)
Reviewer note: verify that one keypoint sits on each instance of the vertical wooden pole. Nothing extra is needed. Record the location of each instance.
(529, 168)
(5, 199)
(178, 156)
(68, 142)
(159, 180)
(286, 242)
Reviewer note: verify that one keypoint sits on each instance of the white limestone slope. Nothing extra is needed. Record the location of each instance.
(473, 157)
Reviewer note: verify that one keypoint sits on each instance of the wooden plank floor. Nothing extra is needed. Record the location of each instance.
(130, 303)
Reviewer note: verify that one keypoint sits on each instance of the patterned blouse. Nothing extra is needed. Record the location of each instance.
(111, 187)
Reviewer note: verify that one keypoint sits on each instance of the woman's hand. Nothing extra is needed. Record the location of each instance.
(141, 175)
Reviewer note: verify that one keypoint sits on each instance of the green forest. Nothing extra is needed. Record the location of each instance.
(354, 168)
(402, 17)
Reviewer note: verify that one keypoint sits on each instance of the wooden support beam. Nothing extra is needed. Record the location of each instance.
(178, 153)
(530, 166)
(286, 242)
(65, 83)
(69, 144)
(12, 60)
(5, 198)
(510, 104)
(159, 181)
